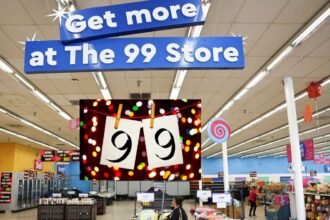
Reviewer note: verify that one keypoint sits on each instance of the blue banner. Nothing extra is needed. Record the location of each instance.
(135, 54)
(131, 18)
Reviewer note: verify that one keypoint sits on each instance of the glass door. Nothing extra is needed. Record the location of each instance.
(20, 194)
(25, 194)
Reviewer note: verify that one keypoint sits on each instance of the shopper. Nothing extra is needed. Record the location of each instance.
(178, 212)
(253, 201)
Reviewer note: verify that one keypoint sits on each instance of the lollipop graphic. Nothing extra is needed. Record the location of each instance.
(218, 131)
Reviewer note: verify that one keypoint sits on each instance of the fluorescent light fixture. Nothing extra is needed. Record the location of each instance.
(102, 84)
(175, 93)
(203, 144)
(5, 67)
(24, 82)
(209, 147)
(274, 142)
(3, 110)
(256, 79)
(312, 27)
(65, 115)
(302, 95)
(55, 107)
(106, 94)
(179, 78)
(30, 124)
(326, 82)
(99, 78)
(27, 138)
(181, 74)
(270, 143)
(279, 58)
(41, 96)
(240, 94)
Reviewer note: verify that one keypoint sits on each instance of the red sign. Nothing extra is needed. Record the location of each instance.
(38, 165)
(306, 150)
(322, 160)
(5, 187)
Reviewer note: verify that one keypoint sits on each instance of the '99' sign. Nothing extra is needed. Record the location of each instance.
(162, 142)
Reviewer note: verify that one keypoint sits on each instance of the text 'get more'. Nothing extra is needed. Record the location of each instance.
(76, 23)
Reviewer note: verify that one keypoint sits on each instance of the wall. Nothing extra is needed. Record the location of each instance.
(17, 158)
(7, 157)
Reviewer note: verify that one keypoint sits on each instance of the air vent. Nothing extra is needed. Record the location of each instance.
(15, 126)
(75, 102)
(140, 96)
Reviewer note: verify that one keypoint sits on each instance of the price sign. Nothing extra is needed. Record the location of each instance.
(145, 197)
(163, 142)
(221, 197)
(120, 145)
(204, 194)
(5, 187)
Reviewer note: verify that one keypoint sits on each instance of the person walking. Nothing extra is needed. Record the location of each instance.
(253, 201)
(178, 212)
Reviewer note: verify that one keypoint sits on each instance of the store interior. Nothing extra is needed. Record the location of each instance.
(282, 39)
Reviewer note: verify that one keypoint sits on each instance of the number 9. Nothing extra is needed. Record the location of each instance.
(170, 143)
(127, 146)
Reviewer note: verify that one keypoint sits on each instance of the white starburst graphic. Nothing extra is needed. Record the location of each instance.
(28, 39)
(244, 39)
(60, 13)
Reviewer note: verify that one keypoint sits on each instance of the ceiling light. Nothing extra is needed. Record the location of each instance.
(181, 74)
(279, 58)
(65, 115)
(55, 107)
(270, 143)
(302, 95)
(256, 79)
(175, 93)
(312, 27)
(209, 147)
(26, 122)
(24, 82)
(41, 96)
(99, 78)
(326, 82)
(102, 84)
(205, 142)
(240, 94)
(3, 111)
(27, 138)
(5, 67)
(106, 94)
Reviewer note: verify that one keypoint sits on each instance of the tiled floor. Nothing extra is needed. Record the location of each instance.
(121, 210)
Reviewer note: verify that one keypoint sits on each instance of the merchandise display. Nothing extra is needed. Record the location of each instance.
(165, 110)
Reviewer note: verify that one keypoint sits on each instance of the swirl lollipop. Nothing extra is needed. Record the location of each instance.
(218, 131)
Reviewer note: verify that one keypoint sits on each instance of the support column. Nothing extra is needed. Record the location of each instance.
(200, 188)
(225, 166)
(295, 148)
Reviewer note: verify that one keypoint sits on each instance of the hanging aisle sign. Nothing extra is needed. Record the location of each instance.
(131, 18)
(135, 54)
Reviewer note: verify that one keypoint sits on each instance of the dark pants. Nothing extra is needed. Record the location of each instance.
(253, 207)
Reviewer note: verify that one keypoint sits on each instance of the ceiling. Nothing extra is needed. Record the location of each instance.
(268, 26)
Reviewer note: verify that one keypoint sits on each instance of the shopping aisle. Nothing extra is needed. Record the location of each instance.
(118, 210)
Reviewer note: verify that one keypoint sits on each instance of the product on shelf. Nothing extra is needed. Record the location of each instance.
(317, 206)
(84, 201)
(52, 201)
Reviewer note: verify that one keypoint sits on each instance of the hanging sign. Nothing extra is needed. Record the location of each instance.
(218, 131)
(321, 159)
(5, 187)
(140, 139)
(306, 150)
(38, 165)
(131, 18)
(135, 54)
